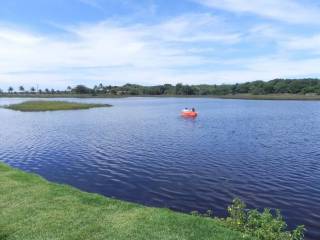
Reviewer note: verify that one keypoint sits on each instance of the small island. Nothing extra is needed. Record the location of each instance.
(41, 106)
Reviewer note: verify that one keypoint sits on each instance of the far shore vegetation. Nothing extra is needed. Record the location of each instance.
(277, 89)
(38, 106)
(35, 209)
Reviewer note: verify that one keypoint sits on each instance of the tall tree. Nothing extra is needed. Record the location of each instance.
(10, 89)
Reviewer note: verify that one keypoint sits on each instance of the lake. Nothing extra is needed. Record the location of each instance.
(141, 150)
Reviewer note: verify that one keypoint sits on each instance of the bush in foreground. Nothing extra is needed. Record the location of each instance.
(261, 225)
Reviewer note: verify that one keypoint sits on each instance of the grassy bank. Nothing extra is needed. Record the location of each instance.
(36, 106)
(301, 97)
(272, 97)
(34, 209)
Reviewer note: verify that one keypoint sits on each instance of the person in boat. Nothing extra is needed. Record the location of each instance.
(193, 109)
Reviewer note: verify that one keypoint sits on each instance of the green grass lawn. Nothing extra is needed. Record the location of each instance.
(33, 209)
(37, 106)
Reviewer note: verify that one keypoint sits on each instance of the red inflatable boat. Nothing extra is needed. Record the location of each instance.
(189, 114)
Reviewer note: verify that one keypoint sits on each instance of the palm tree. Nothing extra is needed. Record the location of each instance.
(69, 89)
(100, 87)
(21, 89)
(32, 89)
(10, 89)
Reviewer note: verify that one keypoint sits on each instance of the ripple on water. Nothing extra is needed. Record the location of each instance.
(265, 152)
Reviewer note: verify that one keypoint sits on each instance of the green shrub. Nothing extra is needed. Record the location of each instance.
(261, 225)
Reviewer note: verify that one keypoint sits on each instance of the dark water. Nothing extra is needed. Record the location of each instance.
(141, 150)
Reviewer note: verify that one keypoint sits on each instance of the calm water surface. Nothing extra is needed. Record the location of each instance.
(141, 150)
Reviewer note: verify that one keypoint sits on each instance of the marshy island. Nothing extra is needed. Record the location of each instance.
(40, 106)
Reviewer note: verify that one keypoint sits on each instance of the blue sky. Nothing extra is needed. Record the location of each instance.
(56, 43)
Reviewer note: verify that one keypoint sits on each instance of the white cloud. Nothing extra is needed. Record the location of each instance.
(195, 28)
(307, 44)
(92, 3)
(291, 11)
(311, 43)
(107, 50)
(191, 48)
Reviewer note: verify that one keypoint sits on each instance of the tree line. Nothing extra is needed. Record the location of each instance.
(33, 90)
(276, 86)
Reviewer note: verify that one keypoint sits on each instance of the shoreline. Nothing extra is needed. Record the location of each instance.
(294, 97)
(34, 208)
